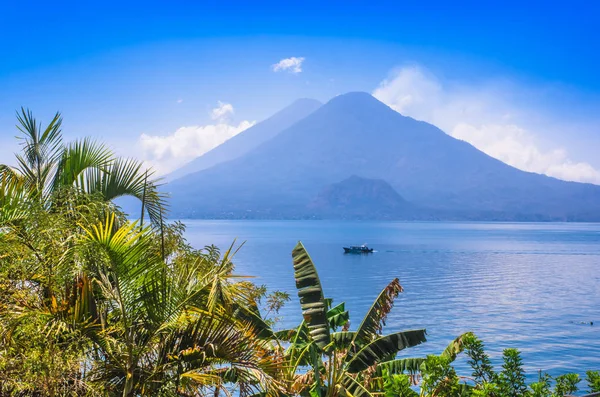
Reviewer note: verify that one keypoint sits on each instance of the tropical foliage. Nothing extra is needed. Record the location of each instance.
(324, 362)
(92, 303)
(439, 377)
(46, 166)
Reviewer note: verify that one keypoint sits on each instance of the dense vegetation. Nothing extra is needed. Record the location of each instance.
(94, 304)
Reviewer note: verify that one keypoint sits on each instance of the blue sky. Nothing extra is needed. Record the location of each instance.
(518, 81)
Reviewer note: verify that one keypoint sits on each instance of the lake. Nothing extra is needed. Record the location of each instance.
(523, 285)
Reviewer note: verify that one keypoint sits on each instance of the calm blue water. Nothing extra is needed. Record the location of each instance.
(515, 285)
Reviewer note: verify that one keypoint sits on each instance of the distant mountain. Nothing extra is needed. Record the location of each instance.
(361, 198)
(249, 139)
(355, 134)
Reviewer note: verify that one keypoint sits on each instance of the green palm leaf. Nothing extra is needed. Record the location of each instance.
(77, 158)
(85, 309)
(133, 270)
(127, 178)
(41, 148)
(210, 346)
(244, 314)
(312, 300)
(12, 198)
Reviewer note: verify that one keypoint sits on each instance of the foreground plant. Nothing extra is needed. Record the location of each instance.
(324, 362)
(97, 307)
(440, 379)
(46, 166)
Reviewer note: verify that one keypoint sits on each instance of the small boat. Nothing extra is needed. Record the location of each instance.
(355, 249)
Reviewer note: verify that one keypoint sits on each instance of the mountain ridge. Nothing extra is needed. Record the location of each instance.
(361, 198)
(250, 138)
(355, 134)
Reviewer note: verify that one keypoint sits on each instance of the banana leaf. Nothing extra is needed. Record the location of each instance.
(342, 340)
(312, 299)
(374, 321)
(456, 347)
(382, 348)
(338, 316)
(353, 388)
(411, 365)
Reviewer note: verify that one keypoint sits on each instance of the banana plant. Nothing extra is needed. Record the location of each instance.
(324, 362)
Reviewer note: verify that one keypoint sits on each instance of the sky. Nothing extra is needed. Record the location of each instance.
(167, 81)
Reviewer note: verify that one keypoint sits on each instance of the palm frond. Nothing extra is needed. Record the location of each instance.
(13, 194)
(76, 159)
(125, 177)
(414, 365)
(133, 267)
(41, 148)
(85, 308)
(209, 344)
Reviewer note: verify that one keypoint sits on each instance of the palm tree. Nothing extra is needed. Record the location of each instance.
(40, 270)
(140, 316)
(164, 328)
(339, 363)
(46, 165)
(149, 314)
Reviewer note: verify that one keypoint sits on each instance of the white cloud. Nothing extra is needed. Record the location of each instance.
(487, 116)
(292, 65)
(222, 111)
(179, 100)
(169, 152)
